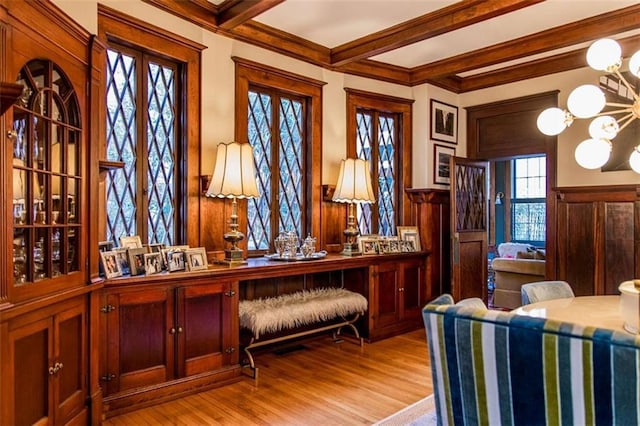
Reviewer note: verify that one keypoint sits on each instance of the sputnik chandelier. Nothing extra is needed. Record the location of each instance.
(588, 101)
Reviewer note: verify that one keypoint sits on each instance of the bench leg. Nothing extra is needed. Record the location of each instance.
(337, 328)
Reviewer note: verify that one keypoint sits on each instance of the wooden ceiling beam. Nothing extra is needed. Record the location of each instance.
(242, 11)
(199, 12)
(589, 29)
(441, 21)
(539, 68)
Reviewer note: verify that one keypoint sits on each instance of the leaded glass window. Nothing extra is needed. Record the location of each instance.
(276, 131)
(376, 140)
(528, 205)
(142, 117)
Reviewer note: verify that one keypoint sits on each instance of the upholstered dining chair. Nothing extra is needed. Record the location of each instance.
(545, 290)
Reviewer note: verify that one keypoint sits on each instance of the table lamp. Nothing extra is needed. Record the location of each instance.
(353, 186)
(233, 177)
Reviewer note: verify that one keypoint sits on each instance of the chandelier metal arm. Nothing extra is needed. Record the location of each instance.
(629, 88)
(629, 119)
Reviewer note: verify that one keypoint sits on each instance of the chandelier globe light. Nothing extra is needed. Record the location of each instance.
(589, 101)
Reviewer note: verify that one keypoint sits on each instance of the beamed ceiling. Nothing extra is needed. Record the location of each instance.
(460, 46)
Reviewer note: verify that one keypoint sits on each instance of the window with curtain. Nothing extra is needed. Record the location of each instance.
(143, 115)
(528, 204)
(276, 130)
(379, 130)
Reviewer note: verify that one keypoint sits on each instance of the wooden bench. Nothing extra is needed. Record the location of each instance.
(266, 316)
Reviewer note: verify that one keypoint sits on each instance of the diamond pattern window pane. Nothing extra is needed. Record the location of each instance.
(121, 144)
(161, 154)
(374, 126)
(386, 176)
(133, 206)
(274, 116)
(259, 209)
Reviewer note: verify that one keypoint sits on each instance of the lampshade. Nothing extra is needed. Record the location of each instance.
(586, 101)
(604, 54)
(552, 121)
(234, 172)
(354, 182)
(593, 153)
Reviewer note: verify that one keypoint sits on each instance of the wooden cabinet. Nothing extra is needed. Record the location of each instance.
(158, 336)
(398, 290)
(45, 291)
(44, 374)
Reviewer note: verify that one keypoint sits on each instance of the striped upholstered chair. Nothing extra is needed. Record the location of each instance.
(498, 368)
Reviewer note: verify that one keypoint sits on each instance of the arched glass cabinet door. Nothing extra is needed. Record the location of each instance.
(47, 178)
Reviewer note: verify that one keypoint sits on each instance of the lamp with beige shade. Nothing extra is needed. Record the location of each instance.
(233, 177)
(353, 186)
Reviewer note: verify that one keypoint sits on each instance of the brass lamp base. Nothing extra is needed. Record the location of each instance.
(233, 257)
(350, 249)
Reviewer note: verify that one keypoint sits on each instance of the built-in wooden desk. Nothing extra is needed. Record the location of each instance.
(170, 334)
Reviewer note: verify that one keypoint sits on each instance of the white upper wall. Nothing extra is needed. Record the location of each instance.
(217, 98)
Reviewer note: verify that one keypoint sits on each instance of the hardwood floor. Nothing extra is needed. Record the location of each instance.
(324, 383)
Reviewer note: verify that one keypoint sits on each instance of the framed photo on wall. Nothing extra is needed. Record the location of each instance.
(441, 156)
(444, 122)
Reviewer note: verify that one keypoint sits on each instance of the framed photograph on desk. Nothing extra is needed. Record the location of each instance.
(410, 233)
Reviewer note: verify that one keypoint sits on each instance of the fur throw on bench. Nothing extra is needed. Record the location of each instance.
(273, 314)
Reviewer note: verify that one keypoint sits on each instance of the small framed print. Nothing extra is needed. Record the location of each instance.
(131, 242)
(368, 244)
(394, 246)
(441, 156)
(410, 233)
(123, 259)
(136, 260)
(175, 260)
(152, 263)
(444, 122)
(406, 246)
(196, 259)
(110, 264)
(103, 246)
(383, 246)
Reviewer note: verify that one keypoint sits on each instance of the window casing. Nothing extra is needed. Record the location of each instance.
(143, 113)
(379, 130)
(277, 123)
(528, 204)
(280, 114)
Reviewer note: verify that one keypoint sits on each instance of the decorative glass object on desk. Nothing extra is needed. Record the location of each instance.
(287, 246)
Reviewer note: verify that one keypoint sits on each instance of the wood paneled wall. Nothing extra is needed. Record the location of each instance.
(430, 212)
(598, 237)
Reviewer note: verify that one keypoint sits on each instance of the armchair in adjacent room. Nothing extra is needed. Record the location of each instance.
(516, 264)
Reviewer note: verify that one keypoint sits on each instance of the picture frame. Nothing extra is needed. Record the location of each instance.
(123, 258)
(406, 246)
(136, 260)
(368, 244)
(102, 247)
(110, 264)
(444, 122)
(152, 263)
(176, 260)
(394, 246)
(384, 246)
(196, 259)
(441, 157)
(410, 233)
(132, 241)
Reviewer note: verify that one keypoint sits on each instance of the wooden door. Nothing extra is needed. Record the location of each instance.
(30, 357)
(414, 289)
(386, 303)
(141, 339)
(205, 338)
(71, 363)
(469, 228)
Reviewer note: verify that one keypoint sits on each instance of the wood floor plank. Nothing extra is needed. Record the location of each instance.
(323, 383)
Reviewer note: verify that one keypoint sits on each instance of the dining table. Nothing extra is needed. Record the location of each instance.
(593, 311)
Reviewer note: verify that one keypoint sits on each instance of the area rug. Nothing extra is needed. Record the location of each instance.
(421, 413)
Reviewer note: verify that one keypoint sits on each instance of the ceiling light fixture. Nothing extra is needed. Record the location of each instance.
(588, 101)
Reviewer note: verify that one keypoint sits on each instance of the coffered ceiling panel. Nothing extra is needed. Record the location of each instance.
(458, 45)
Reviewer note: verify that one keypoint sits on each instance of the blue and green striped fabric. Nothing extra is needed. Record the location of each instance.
(498, 368)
